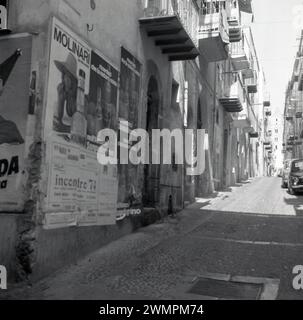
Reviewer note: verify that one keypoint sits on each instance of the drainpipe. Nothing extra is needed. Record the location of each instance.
(214, 120)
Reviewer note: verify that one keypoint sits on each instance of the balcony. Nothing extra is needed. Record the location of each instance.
(241, 120)
(299, 115)
(300, 77)
(254, 135)
(233, 98)
(240, 55)
(173, 24)
(252, 83)
(213, 36)
(235, 30)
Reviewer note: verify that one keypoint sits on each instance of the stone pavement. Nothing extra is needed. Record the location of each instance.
(252, 230)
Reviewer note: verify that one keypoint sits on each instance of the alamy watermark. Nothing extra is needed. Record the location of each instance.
(3, 278)
(298, 279)
(176, 147)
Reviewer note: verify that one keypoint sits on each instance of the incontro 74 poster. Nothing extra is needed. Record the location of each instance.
(15, 68)
(81, 100)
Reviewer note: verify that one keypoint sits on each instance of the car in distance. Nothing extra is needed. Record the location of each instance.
(285, 173)
(295, 179)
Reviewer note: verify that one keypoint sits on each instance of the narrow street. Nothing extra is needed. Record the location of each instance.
(252, 230)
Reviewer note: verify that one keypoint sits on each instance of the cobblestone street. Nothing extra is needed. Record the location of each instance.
(252, 230)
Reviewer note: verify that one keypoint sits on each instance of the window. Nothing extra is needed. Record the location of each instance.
(213, 6)
(297, 166)
(175, 94)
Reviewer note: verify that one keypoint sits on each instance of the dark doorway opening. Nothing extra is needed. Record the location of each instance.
(152, 171)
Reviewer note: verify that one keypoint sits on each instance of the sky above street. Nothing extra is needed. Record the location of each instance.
(277, 39)
(277, 30)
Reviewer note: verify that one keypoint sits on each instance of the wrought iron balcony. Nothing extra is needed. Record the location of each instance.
(252, 83)
(235, 30)
(254, 135)
(300, 77)
(241, 120)
(233, 97)
(173, 24)
(240, 55)
(213, 35)
(235, 33)
(299, 115)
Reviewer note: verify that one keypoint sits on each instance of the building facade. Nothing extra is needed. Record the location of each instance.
(72, 68)
(293, 135)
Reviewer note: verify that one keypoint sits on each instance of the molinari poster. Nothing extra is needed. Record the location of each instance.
(15, 67)
(82, 100)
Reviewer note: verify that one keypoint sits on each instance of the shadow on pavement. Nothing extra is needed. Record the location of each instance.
(297, 203)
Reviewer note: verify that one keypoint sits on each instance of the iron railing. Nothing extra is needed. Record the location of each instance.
(186, 10)
(241, 48)
(214, 22)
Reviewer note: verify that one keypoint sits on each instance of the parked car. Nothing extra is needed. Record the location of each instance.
(285, 173)
(295, 179)
(280, 172)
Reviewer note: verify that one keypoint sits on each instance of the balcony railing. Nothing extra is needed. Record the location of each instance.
(234, 16)
(235, 30)
(252, 83)
(241, 120)
(240, 54)
(174, 24)
(300, 77)
(233, 97)
(214, 23)
(213, 36)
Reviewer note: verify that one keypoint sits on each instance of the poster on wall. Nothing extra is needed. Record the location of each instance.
(130, 81)
(15, 68)
(130, 85)
(82, 100)
(102, 99)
